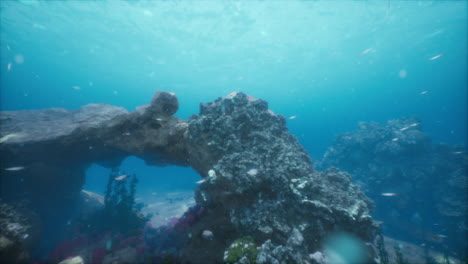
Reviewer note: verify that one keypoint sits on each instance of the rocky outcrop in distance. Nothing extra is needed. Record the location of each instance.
(415, 183)
(258, 180)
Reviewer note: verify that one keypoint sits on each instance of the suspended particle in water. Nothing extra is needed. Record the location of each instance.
(147, 13)
(402, 73)
(19, 59)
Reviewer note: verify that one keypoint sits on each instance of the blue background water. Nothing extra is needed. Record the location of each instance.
(331, 64)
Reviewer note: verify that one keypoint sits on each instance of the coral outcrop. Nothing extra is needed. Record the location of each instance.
(429, 180)
(18, 232)
(53, 147)
(258, 180)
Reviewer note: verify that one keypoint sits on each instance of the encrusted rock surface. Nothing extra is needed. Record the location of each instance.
(259, 182)
(19, 229)
(55, 146)
(430, 179)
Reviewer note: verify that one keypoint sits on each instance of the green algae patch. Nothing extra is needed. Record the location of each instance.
(240, 248)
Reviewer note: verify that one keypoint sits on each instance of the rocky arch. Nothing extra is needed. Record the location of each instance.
(259, 181)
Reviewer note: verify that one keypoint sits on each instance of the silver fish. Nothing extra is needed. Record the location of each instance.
(365, 51)
(389, 194)
(18, 168)
(437, 56)
(121, 177)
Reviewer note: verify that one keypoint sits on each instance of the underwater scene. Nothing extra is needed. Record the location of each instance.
(236, 132)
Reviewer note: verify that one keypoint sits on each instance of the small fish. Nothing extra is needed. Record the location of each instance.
(437, 56)
(76, 87)
(424, 92)
(404, 128)
(159, 119)
(365, 51)
(252, 172)
(292, 117)
(18, 168)
(414, 124)
(437, 237)
(200, 181)
(457, 152)
(126, 134)
(395, 139)
(25, 236)
(9, 66)
(122, 177)
(389, 194)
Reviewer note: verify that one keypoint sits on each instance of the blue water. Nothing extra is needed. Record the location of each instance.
(302, 57)
(331, 64)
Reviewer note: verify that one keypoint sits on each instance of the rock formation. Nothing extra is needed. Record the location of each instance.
(429, 179)
(259, 182)
(258, 179)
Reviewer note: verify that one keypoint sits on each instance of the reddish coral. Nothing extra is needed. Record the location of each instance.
(68, 248)
(98, 255)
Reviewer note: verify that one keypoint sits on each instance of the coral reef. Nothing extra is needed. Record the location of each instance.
(17, 233)
(120, 213)
(242, 250)
(429, 180)
(258, 180)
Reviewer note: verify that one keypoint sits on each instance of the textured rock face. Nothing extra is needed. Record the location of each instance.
(398, 157)
(55, 146)
(18, 232)
(259, 182)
